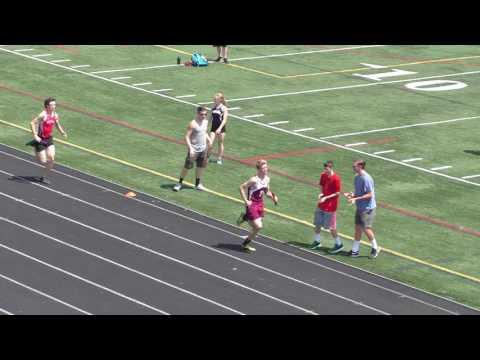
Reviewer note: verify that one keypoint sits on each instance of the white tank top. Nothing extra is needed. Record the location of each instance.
(255, 191)
(198, 138)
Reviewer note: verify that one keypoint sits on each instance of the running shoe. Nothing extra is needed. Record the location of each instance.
(336, 249)
(44, 180)
(241, 219)
(248, 247)
(200, 187)
(225, 60)
(374, 253)
(218, 59)
(219, 162)
(177, 187)
(316, 245)
(352, 253)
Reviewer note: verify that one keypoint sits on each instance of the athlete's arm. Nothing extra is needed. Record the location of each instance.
(187, 138)
(363, 197)
(34, 126)
(272, 196)
(224, 121)
(243, 190)
(60, 128)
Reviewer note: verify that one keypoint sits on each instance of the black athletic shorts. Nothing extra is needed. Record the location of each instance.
(42, 145)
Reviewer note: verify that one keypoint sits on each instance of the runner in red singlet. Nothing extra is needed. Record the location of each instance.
(42, 130)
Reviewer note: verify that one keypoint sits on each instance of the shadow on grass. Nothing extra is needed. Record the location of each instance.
(170, 186)
(473, 152)
(324, 250)
(234, 247)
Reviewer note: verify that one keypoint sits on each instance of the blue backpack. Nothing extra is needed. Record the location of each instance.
(199, 60)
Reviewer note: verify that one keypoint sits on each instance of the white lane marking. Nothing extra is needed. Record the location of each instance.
(60, 61)
(185, 96)
(134, 69)
(401, 127)
(302, 130)
(112, 262)
(384, 152)
(23, 50)
(373, 66)
(183, 238)
(83, 279)
(121, 78)
(441, 168)
(412, 160)
(142, 84)
(240, 236)
(305, 52)
(79, 66)
(253, 116)
(470, 176)
(41, 55)
(157, 252)
(234, 108)
(278, 122)
(41, 292)
(342, 87)
(6, 312)
(355, 144)
(277, 128)
(160, 90)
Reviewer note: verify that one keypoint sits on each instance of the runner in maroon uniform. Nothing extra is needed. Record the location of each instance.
(252, 194)
(326, 211)
(42, 129)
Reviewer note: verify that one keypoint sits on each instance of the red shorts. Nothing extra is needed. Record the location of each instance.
(254, 211)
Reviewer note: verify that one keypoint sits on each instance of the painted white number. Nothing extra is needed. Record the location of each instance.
(380, 76)
(436, 85)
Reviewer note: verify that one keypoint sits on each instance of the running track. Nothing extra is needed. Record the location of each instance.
(79, 246)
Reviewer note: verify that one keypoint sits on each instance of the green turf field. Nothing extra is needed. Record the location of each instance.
(319, 108)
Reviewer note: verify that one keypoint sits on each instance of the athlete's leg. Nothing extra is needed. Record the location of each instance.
(221, 147)
(50, 152)
(256, 225)
(210, 147)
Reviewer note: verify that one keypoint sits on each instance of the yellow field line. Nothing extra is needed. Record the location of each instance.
(224, 196)
(386, 66)
(232, 65)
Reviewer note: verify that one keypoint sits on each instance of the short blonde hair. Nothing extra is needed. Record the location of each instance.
(222, 98)
(260, 163)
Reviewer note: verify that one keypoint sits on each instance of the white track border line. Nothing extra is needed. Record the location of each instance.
(83, 279)
(182, 238)
(276, 128)
(147, 249)
(110, 261)
(400, 127)
(41, 292)
(240, 229)
(306, 52)
(6, 312)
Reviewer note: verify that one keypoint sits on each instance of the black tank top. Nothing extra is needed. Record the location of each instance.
(217, 115)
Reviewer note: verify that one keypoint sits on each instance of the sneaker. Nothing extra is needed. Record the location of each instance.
(219, 161)
(225, 61)
(336, 249)
(177, 187)
(353, 253)
(218, 59)
(374, 253)
(315, 245)
(44, 180)
(241, 219)
(200, 187)
(248, 247)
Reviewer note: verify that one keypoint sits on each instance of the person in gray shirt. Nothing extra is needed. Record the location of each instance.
(364, 198)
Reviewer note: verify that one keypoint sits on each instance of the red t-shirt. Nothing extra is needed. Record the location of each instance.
(330, 185)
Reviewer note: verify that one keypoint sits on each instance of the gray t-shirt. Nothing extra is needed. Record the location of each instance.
(363, 185)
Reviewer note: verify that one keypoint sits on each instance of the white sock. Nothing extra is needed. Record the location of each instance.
(356, 246)
(318, 237)
(338, 241)
(374, 244)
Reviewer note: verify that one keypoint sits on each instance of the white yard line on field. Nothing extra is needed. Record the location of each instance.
(441, 168)
(278, 122)
(159, 90)
(412, 160)
(24, 50)
(400, 127)
(355, 144)
(185, 96)
(41, 55)
(142, 84)
(134, 69)
(302, 130)
(470, 176)
(384, 152)
(79, 66)
(60, 61)
(305, 52)
(285, 131)
(253, 116)
(121, 78)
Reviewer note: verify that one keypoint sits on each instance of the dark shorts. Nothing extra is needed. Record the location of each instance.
(215, 126)
(42, 145)
(200, 159)
(254, 211)
(365, 219)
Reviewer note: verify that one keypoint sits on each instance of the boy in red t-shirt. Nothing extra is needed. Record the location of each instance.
(325, 213)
